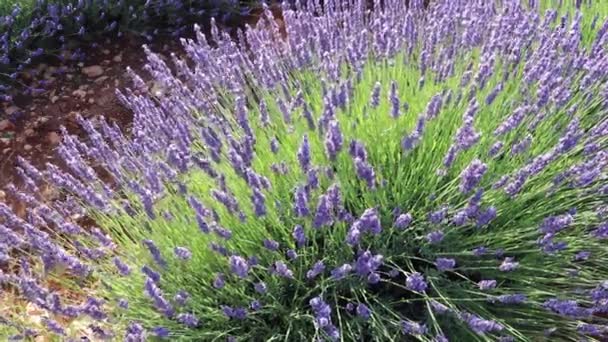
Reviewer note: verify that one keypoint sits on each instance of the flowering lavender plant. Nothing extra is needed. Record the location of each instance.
(276, 192)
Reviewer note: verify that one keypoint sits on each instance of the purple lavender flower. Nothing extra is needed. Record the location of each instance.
(582, 255)
(373, 278)
(239, 266)
(152, 291)
(479, 251)
(334, 196)
(301, 203)
(486, 216)
(260, 287)
(554, 224)
(155, 276)
(416, 282)
(370, 221)
(479, 325)
(255, 305)
(253, 261)
(123, 268)
(509, 264)
(601, 232)
(274, 145)
(375, 95)
(486, 284)
(183, 253)
(354, 234)
(299, 236)
(271, 245)
(445, 264)
(521, 146)
(304, 154)
(264, 116)
(363, 311)
(394, 100)
(188, 320)
(54, 327)
(440, 338)
(234, 313)
(224, 233)
(341, 272)
(435, 237)
(135, 333)
(322, 313)
(202, 224)
(317, 269)
(492, 95)
(495, 148)
(591, 329)
(367, 263)
(219, 281)
(512, 298)
(438, 216)
(434, 106)
(333, 140)
(258, 199)
(365, 172)
(393, 273)
(281, 269)
(160, 332)
(470, 177)
(413, 328)
(181, 297)
(570, 137)
(438, 307)
(567, 308)
(403, 221)
(312, 179)
(323, 213)
(156, 255)
(291, 254)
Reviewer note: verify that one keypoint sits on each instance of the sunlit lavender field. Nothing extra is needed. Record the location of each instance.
(393, 171)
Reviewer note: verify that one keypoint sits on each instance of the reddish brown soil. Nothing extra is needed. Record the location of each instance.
(36, 133)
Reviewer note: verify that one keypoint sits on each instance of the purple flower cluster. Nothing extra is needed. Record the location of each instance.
(366, 266)
(369, 222)
(471, 176)
(322, 312)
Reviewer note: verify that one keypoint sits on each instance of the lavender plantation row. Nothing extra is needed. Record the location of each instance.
(389, 175)
(35, 30)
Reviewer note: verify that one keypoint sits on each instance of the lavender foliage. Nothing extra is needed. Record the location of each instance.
(308, 202)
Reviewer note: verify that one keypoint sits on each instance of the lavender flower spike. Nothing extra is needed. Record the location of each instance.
(470, 177)
(416, 282)
(304, 154)
(239, 266)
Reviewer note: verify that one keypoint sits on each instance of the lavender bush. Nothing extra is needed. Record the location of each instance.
(396, 174)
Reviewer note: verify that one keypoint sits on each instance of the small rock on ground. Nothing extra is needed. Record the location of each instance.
(6, 125)
(93, 71)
